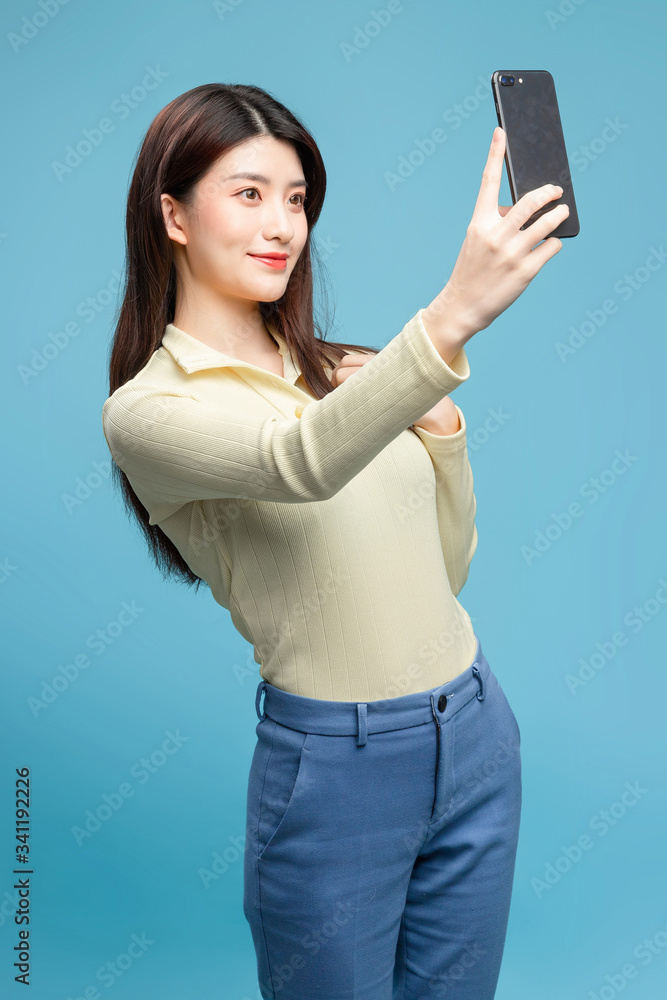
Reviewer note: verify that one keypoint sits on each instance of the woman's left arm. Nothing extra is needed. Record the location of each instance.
(442, 430)
(443, 433)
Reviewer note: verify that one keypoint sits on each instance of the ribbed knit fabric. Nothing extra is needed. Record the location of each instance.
(337, 536)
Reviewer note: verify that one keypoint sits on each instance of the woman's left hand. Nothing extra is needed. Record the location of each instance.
(348, 365)
(440, 419)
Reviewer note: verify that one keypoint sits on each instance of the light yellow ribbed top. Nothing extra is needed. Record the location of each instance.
(337, 536)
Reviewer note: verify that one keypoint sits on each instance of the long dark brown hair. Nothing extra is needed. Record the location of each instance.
(185, 138)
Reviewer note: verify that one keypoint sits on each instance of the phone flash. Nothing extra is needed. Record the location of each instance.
(520, 80)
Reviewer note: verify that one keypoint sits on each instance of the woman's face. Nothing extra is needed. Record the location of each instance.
(249, 202)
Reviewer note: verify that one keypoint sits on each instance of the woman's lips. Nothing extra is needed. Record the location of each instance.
(277, 263)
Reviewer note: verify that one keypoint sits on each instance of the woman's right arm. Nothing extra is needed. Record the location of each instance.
(174, 448)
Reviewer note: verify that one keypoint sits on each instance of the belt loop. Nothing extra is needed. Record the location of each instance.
(480, 693)
(362, 729)
(260, 687)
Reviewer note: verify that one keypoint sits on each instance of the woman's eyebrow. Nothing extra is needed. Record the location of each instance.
(301, 182)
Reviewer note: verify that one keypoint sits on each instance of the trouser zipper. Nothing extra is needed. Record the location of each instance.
(437, 755)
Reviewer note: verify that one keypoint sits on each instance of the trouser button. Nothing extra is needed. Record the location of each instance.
(442, 702)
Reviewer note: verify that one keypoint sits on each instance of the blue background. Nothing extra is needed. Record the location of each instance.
(178, 666)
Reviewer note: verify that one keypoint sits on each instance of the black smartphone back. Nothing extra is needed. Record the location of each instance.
(535, 151)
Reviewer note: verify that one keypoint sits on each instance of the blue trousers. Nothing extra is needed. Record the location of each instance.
(381, 842)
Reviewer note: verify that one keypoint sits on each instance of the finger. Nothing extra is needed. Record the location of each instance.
(504, 209)
(344, 373)
(546, 224)
(487, 199)
(349, 359)
(340, 364)
(531, 202)
(544, 252)
(349, 370)
(352, 361)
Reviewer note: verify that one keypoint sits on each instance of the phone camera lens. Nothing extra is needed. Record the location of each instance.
(507, 81)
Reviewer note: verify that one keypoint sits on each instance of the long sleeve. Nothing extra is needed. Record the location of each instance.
(175, 448)
(455, 500)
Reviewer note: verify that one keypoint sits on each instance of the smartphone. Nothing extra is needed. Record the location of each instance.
(535, 151)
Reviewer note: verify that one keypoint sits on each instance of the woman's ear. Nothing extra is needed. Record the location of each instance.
(172, 213)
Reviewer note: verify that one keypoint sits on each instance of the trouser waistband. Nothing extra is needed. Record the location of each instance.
(349, 718)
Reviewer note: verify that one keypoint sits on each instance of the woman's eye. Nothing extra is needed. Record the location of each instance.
(245, 191)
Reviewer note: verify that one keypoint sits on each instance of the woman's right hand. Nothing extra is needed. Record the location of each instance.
(497, 260)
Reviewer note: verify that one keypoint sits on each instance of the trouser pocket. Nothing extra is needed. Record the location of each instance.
(511, 717)
(274, 778)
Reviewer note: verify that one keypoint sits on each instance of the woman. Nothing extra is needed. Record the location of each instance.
(323, 492)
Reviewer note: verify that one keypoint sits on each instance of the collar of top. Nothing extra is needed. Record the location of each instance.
(193, 355)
